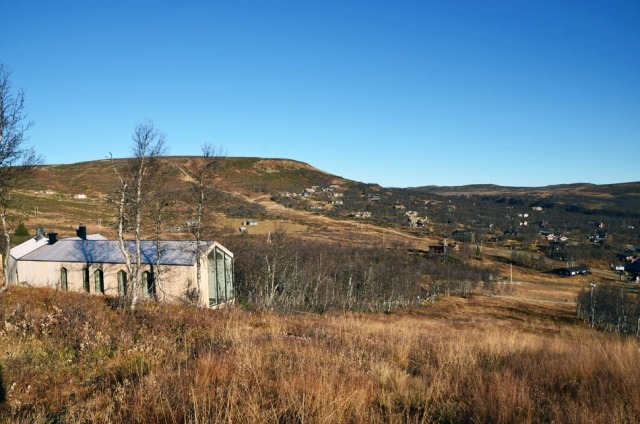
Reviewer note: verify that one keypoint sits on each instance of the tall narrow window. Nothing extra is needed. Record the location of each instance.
(228, 276)
(63, 279)
(122, 283)
(220, 275)
(85, 280)
(98, 276)
(213, 286)
(220, 289)
(149, 283)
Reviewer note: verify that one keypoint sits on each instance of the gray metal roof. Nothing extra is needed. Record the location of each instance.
(28, 247)
(108, 251)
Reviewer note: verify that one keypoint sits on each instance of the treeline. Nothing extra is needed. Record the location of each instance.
(286, 274)
(611, 308)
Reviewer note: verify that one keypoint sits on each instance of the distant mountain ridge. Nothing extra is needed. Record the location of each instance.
(573, 188)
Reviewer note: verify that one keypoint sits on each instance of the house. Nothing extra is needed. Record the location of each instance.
(573, 270)
(437, 249)
(416, 222)
(93, 264)
(365, 214)
(633, 266)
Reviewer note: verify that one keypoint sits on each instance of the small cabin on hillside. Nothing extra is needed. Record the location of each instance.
(93, 264)
(573, 270)
(437, 249)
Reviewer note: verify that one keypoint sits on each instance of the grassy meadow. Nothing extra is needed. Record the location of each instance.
(69, 357)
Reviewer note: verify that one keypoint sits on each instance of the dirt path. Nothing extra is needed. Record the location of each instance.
(537, 300)
(324, 227)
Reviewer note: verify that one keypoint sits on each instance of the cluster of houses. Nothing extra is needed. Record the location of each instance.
(332, 191)
(553, 238)
(330, 195)
(363, 214)
(413, 220)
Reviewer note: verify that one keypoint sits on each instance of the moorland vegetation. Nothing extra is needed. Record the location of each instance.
(69, 357)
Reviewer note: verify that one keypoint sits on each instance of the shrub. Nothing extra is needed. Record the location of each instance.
(21, 230)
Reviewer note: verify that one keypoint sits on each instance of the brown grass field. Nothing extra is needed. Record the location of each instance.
(70, 357)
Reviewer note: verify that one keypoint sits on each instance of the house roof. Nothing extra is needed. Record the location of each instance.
(108, 251)
(89, 237)
(28, 246)
(576, 269)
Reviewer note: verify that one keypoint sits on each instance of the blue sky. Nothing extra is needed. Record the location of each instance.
(400, 93)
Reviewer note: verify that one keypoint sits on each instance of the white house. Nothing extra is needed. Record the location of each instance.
(93, 264)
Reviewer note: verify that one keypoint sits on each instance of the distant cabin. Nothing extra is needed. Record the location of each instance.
(93, 264)
(437, 250)
(573, 270)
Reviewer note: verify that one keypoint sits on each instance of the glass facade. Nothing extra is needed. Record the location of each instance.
(220, 277)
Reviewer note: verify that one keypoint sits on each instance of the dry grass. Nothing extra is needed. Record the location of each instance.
(71, 358)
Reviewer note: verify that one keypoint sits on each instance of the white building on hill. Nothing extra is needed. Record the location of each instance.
(93, 264)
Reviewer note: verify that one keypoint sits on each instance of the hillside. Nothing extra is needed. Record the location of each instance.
(278, 193)
(246, 175)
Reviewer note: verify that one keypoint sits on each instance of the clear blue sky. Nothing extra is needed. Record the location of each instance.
(400, 93)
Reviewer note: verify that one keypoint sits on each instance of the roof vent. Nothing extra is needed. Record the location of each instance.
(81, 232)
(53, 237)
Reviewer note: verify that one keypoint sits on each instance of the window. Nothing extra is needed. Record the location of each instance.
(122, 283)
(149, 284)
(99, 280)
(85, 280)
(228, 276)
(63, 279)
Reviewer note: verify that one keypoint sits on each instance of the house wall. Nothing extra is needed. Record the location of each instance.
(174, 279)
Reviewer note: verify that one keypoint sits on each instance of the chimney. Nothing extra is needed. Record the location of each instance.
(53, 237)
(39, 233)
(81, 232)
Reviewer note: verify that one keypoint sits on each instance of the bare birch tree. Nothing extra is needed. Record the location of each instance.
(135, 181)
(203, 170)
(16, 159)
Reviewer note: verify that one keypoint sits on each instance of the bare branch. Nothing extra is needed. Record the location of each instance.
(137, 181)
(16, 159)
